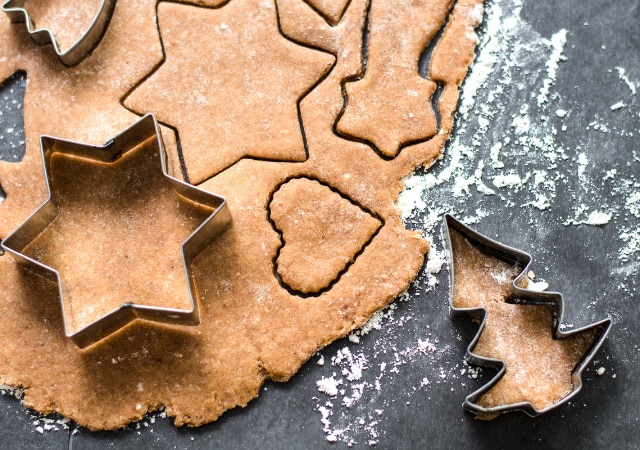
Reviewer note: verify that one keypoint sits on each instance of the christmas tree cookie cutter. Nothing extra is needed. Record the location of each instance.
(43, 36)
(140, 132)
(522, 261)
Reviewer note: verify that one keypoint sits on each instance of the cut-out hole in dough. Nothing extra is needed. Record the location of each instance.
(389, 106)
(12, 142)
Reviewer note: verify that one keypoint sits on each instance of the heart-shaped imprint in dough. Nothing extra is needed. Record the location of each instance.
(322, 233)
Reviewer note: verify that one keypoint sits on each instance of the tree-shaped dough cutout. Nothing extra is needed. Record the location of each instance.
(539, 366)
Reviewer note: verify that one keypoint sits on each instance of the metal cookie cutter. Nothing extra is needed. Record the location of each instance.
(42, 36)
(143, 130)
(523, 296)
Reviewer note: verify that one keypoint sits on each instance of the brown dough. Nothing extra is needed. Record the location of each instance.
(538, 367)
(331, 10)
(390, 106)
(57, 15)
(322, 233)
(80, 103)
(252, 329)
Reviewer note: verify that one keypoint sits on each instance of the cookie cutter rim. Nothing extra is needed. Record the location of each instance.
(523, 296)
(144, 129)
(81, 48)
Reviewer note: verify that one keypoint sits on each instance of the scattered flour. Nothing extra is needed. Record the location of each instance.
(597, 218)
(473, 182)
(495, 82)
(329, 385)
(352, 408)
(557, 44)
(530, 138)
(618, 105)
(40, 423)
(622, 73)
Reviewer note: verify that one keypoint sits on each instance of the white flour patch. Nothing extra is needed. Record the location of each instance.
(595, 218)
(508, 180)
(623, 76)
(329, 385)
(618, 105)
(537, 286)
(352, 409)
(557, 44)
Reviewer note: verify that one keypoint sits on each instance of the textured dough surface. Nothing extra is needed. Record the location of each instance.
(244, 79)
(331, 10)
(56, 15)
(390, 105)
(252, 328)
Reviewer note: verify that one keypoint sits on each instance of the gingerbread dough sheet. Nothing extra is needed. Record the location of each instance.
(250, 94)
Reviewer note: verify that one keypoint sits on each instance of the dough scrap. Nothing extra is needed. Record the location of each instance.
(252, 329)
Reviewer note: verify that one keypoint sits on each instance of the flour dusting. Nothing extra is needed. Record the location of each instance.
(515, 65)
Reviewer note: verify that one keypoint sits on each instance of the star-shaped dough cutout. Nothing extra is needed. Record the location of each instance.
(389, 106)
(118, 234)
(236, 83)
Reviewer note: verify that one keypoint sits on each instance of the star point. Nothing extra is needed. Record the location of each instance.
(236, 84)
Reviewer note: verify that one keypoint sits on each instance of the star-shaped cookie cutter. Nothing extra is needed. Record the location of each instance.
(43, 36)
(524, 296)
(145, 129)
